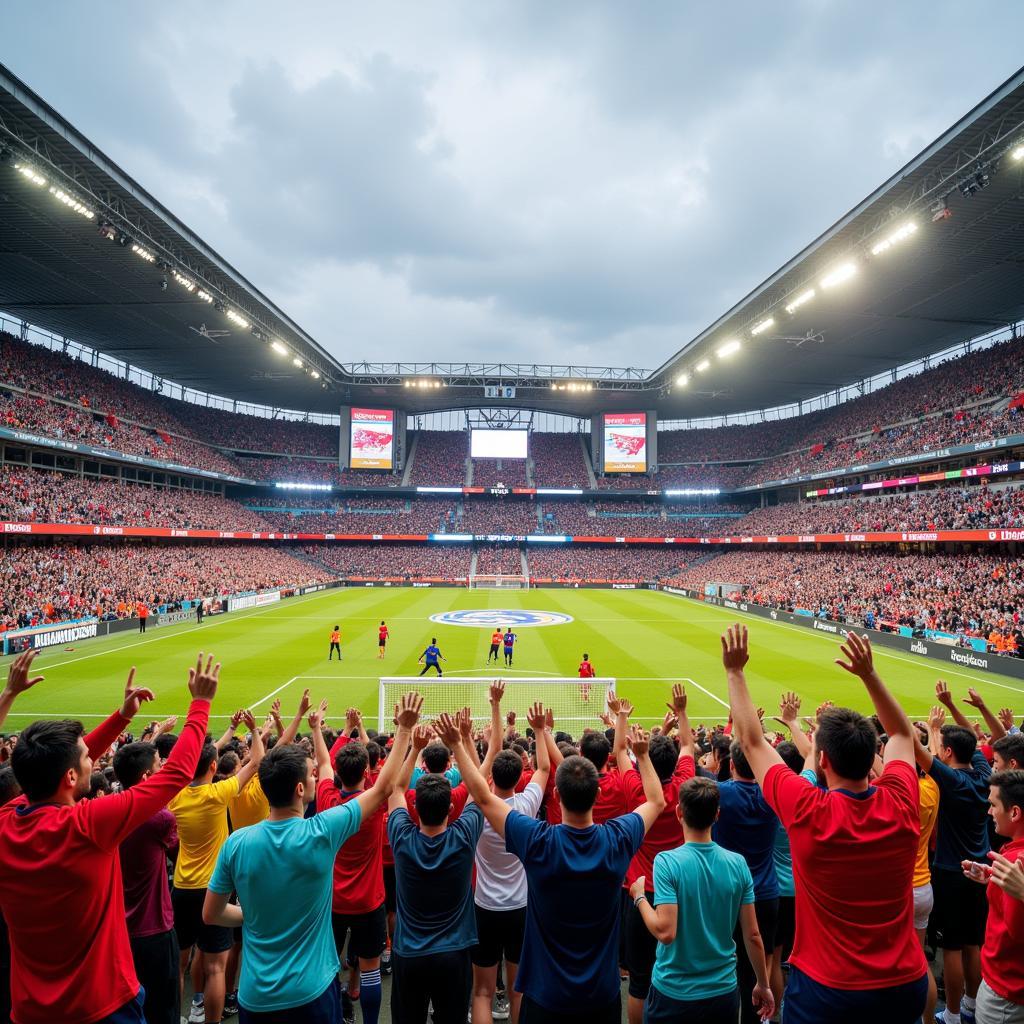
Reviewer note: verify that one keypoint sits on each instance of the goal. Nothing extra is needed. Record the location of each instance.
(564, 696)
(481, 581)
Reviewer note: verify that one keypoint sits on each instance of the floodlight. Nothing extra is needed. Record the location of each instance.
(842, 273)
(314, 374)
(1018, 152)
(237, 318)
(184, 281)
(899, 235)
(144, 253)
(683, 379)
(279, 348)
(71, 201)
(30, 173)
(762, 326)
(802, 299)
(205, 296)
(703, 365)
(728, 349)
(297, 362)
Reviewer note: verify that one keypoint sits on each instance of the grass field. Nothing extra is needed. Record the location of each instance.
(645, 639)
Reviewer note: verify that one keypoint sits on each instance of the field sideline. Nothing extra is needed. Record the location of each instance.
(645, 639)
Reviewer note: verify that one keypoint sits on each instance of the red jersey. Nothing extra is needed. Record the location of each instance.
(1002, 962)
(853, 866)
(61, 892)
(610, 802)
(666, 833)
(460, 794)
(359, 866)
(586, 670)
(382, 633)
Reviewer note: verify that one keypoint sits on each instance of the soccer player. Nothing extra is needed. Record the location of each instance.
(701, 891)
(199, 612)
(855, 955)
(335, 643)
(61, 892)
(509, 640)
(431, 657)
(281, 870)
(569, 972)
(496, 638)
(200, 811)
(382, 639)
(586, 671)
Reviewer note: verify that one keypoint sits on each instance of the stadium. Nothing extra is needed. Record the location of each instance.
(184, 468)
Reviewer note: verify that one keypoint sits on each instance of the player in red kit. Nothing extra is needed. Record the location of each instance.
(382, 639)
(586, 671)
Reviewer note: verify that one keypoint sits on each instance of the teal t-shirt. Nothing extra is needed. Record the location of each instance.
(283, 874)
(453, 775)
(781, 853)
(708, 884)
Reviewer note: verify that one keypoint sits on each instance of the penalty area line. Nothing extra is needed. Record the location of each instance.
(272, 693)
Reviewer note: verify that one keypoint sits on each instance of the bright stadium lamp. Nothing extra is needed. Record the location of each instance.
(728, 349)
(703, 365)
(762, 326)
(899, 235)
(279, 348)
(30, 173)
(1018, 152)
(144, 253)
(237, 318)
(297, 362)
(314, 374)
(801, 300)
(683, 379)
(842, 273)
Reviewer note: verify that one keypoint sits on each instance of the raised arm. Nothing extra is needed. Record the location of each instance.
(654, 795)
(556, 756)
(100, 739)
(538, 722)
(408, 715)
(621, 709)
(421, 736)
(746, 722)
(494, 695)
(229, 733)
(249, 769)
(494, 809)
(927, 756)
(678, 708)
(995, 726)
(18, 681)
(288, 736)
(789, 716)
(324, 768)
(464, 720)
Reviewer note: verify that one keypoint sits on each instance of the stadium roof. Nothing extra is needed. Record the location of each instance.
(954, 276)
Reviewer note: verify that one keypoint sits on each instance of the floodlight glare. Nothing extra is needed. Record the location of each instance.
(184, 281)
(895, 238)
(30, 173)
(683, 379)
(205, 296)
(802, 299)
(703, 365)
(1018, 152)
(842, 273)
(237, 319)
(728, 349)
(144, 253)
(762, 326)
(279, 348)
(314, 374)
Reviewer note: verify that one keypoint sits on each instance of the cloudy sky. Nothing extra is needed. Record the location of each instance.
(580, 182)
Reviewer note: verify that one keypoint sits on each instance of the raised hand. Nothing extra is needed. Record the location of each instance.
(639, 740)
(936, 718)
(1006, 718)
(496, 692)
(942, 694)
(537, 717)
(606, 719)
(613, 704)
(202, 682)
(669, 722)
(166, 725)
(407, 711)
(236, 718)
(466, 723)
(549, 719)
(860, 661)
(789, 708)
(421, 737)
(678, 704)
(625, 707)
(249, 719)
(317, 717)
(510, 719)
(304, 703)
(134, 696)
(973, 698)
(447, 729)
(735, 653)
(275, 709)
(823, 707)
(18, 679)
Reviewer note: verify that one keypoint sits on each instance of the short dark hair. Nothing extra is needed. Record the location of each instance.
(791, 757)
(44, 752)
(508, 769)
(207, 757)
(849, 740)
(436, 757)
(663, 754)
(374, 752)
(351, 763)
(280, 771)
(164, 744)
(9, 787)
(1010, 785)
(132, 761)
(698, 800)
(577, 784)
(1011, 748)
(98, 786)
(227, 762)
(433, 799)
(961, 741)
(433, 639)
(594, 746)
(740, 762)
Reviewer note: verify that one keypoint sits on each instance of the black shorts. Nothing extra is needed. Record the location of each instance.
(785, 927)
(156, 966)
(390, 890)
(381, 641)
(641, 947)
(189, 927)
(369, 933)
(499, 934)
(494, 650)
(961, 909)
(533, 1013)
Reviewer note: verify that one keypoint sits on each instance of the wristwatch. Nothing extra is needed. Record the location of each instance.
(642, 896)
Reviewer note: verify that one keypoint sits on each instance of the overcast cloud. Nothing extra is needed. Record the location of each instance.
(585, 182)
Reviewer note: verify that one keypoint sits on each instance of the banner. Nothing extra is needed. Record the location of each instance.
(239, 601)
(371, 438)
(39, 637)
(625, 442)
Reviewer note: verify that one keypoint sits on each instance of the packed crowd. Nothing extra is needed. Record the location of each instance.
(513, 473)
(574, 562)
(53, 582)
(455, 854)
(494, 559)
(395, 561)
(439, 458)
(248, 433)
(483, 515)
(370, 515)
(966, 594)
(291, 469)
(558, 460)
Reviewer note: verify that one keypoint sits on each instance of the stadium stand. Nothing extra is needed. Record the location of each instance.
(512, 473)
(439, 458)
(396, 561)
(558, 460)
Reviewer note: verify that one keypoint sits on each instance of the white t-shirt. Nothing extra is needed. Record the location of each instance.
(500, 876)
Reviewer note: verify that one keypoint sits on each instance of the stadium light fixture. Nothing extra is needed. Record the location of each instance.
(762, 326)
(237, 318)
(205, 296)
(801, 300)
(314, 374)
(683, 379)
(144, 253)
(279, 348)
(185, 283)
(728, 349)
(1018, 151)
(71, 202)
(703, 365)
(899, 235)
(297, 362)
(841, 274)
(30, 173)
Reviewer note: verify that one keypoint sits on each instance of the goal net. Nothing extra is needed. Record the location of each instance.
(573, 704)
(482, 581)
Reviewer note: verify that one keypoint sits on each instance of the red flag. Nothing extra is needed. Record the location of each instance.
(112, 420)
(817, 449)
(1018, 402)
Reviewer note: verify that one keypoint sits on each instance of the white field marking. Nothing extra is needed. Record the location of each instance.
(218, 621)
(943, 671)
(486, 669)
(713, 696)
(337, 677)
(283, 686)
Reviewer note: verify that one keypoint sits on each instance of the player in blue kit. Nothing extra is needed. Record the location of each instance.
(510, 639)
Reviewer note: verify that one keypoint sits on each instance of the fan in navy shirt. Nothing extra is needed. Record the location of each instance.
(747, 826)
(569, 968)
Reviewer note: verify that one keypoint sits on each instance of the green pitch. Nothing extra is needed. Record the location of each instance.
(645, 639)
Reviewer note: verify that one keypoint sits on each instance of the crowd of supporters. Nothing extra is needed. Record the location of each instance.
(368, 515)
(245, 432)
(289, 469)
(609, 563)
(53, 582)
(513, 473)
(439, 458)
(393, 561)
(558, 460)
(483, 515)
(495, 559)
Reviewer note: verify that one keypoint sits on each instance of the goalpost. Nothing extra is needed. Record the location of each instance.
(499, 581)
(566, 697)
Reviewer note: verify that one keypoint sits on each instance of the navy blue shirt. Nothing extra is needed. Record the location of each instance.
(510, 638)
(433, 876)
(963, 812)
(570, 958)
(431, 654)
(747, 826)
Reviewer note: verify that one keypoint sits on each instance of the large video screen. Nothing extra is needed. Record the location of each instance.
(625, 442)
(372, 439)
(498, 444)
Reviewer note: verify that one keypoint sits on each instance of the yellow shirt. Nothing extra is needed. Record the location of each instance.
(250, 806)
(929, 814)
(201, 814)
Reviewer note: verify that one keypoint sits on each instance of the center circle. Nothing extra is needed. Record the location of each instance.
(488, 618)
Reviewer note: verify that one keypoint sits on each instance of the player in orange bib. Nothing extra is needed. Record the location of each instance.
(382, 639)
(586, 671)
(496, 638)
(335, 643)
